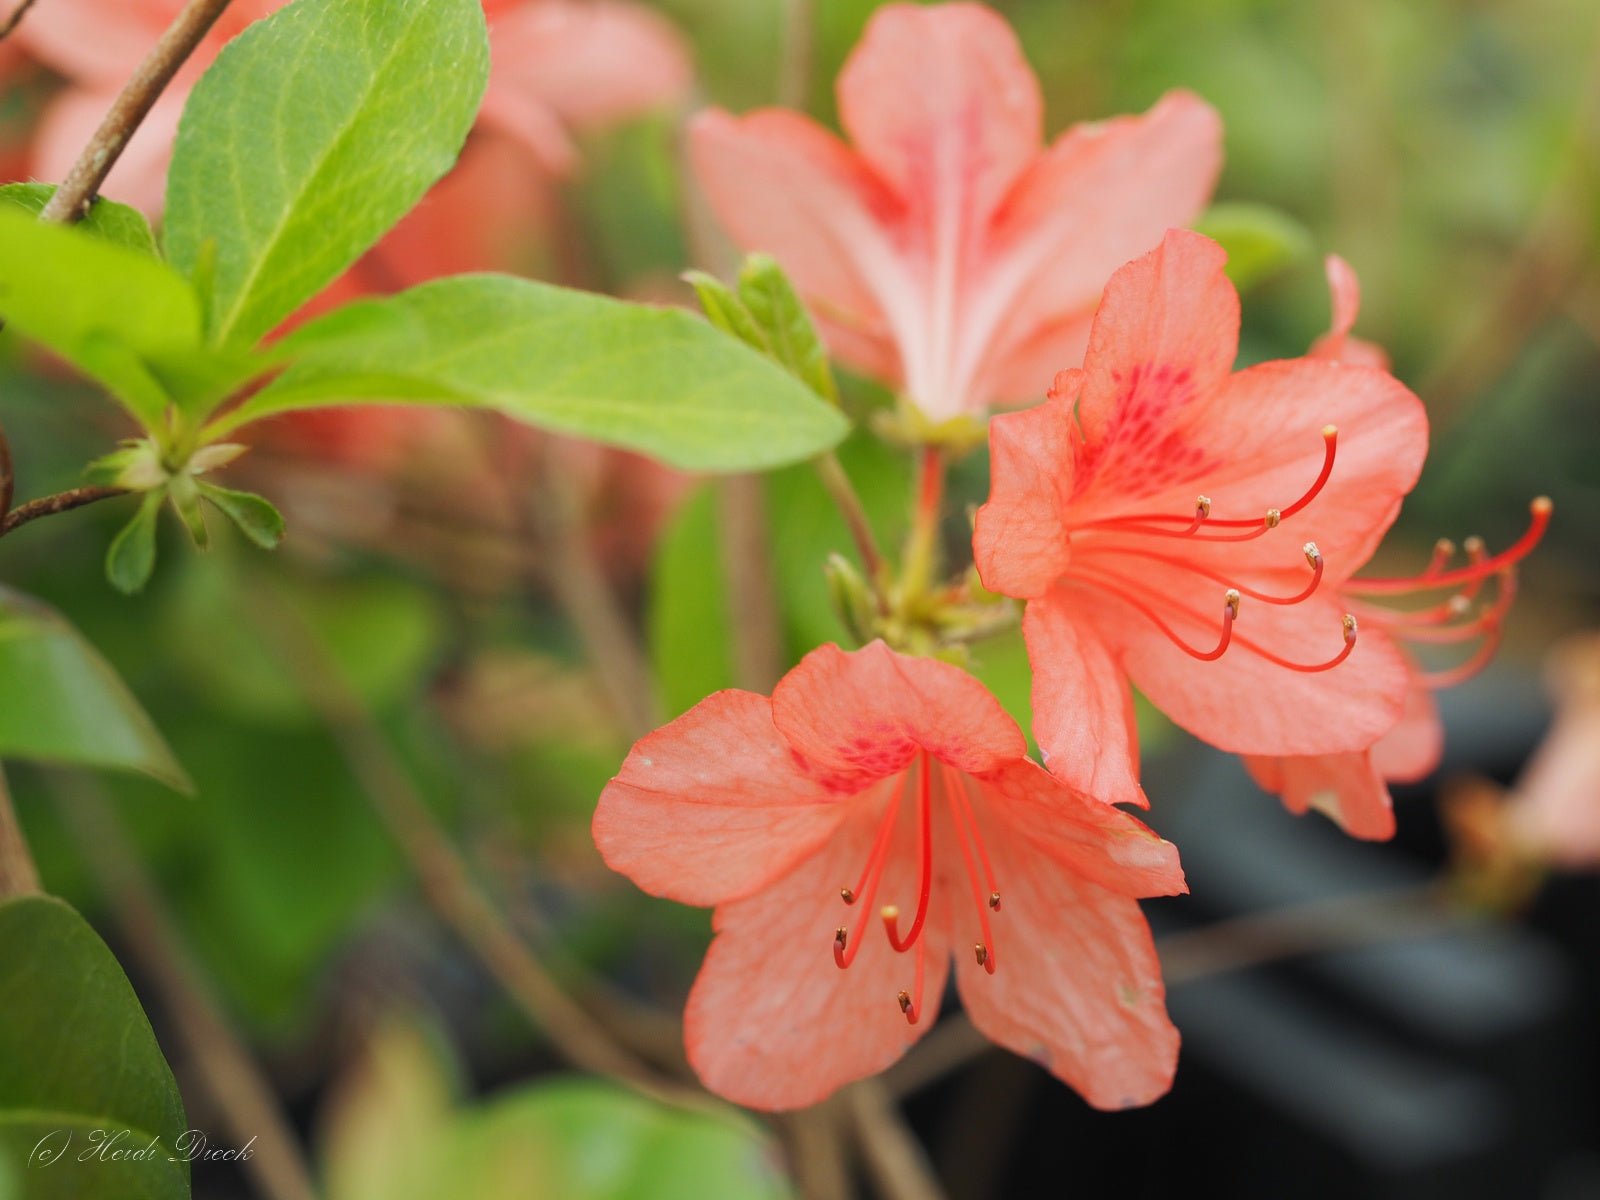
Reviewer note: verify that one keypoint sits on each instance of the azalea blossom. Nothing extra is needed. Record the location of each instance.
(946, 250)
(874, 817)
(1554, 810)
(1352, 788)
(1186, 528)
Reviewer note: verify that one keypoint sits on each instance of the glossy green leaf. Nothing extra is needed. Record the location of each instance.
(132, 556)
(107, 309)
(78, 1061)
(256, 516)
(77, 711)
(1261, 242)
(310, 136)
(655, 380)
(107, 219)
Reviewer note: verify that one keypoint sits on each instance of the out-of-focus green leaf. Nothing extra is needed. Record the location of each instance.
(105, 308)
(771, 300)
(688, 617)
(107, 219)
(576, 1138)
(725, 310)
(654, 380)
(313, 132)
(256, 516)
(131, 558)
(79, 1062)
(64, 702)
(1261, 242)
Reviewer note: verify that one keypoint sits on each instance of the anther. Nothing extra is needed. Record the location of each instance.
(1203, 506)
(1272, 518)
(994, 901)
(1474, 546)
(1480, 568)
(848, 895)
(985, 959)
(1231, 601)
(1313, 555)
(841, 936)
(905, 1006)
(1350, 628)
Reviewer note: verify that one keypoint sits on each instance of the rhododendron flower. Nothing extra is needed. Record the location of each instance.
(946, 250)
(1187, 528)
(1352, 788)
(871, 778)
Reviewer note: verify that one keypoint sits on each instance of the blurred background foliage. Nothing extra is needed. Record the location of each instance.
(1449, 149)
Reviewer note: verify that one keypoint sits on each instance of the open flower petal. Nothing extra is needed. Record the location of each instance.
(1346, 788)
(1020, 539)
(713, 805)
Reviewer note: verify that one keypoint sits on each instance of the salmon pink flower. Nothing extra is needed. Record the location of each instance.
(1555, 806)
(946, 250)
(1143, 510)
(871, 778)
(1352, 788)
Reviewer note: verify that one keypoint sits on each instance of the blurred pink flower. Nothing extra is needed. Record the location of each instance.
(1554, 811)
(946, 249)
(1352, 788)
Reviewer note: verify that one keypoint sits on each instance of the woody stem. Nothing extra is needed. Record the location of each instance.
(832, 473)
(18, 876)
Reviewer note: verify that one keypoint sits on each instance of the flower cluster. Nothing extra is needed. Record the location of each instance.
(1168, 524)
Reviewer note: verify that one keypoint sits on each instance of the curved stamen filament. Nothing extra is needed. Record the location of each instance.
(984, 949)
(911, 1002)
(880, 846)
(1330, 446)
(1485, 620)
(846, 945)
(1313, 556)
(1480, 659)
(1309, 668)
(1230, 612)
(891, 914)
(1539, 520)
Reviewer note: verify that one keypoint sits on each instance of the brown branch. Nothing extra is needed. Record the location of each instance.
(246, 1102)
(18, 875)
(754, 620)
(77, 192)
(816, 1152)
(48, 506)
(15, 19)
(447, 881)
(7, 478)
(892, 1154)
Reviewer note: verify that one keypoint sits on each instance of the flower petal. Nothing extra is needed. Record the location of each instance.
(860, 716)
(943, 105)
(1020, 539)
(780, 183)
(1084, 835)
(1348, 789)
(1555, 808)
(1077, 985)
(772, 1022)
(1411, 751)
(1337, 344)
(1104, 193)
(1082, 705)
(712, 806)
(1165, 336)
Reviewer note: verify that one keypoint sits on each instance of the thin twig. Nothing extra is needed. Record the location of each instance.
(799, 41)
(446, 880)
(77, 192)
(816, 1152)
(18, 875)
(49, 506)
(832, 473)
(246, 1102)
(893, 1156)
(7, 478)
(15, 19)
(754, 618)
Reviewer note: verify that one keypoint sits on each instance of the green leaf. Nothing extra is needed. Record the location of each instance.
(654, 380)
(1261, 242)
(116, 223)
(725, 310)
(310, 136)
(255, 515)
(77, 1056)
(105, 308)
(771, 301)
(132, 556)
(185, 496)
(77, 711)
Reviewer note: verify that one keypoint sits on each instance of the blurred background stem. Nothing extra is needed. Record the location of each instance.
(18, 876)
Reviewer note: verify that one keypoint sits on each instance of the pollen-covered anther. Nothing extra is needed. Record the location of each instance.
(1474, 546)
(905, 1006)
(1350, 628)
(994, 901)
(847, 894)
(1273, 517)
(841, 937)
(1231, 600)
(985, 959)
(1202, 506)
(1313, 555)
(1459, 605)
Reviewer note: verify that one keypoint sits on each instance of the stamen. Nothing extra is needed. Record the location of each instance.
(880, 846)
(1230, 612)
(960, 809)
(846, 947)
(1539, 513)
(911, 1002)
(1259, 525)
(1310, 669)
(841, 936)
(1443, 551)
(1312, 555)
(1492, 625)
(891, 914)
